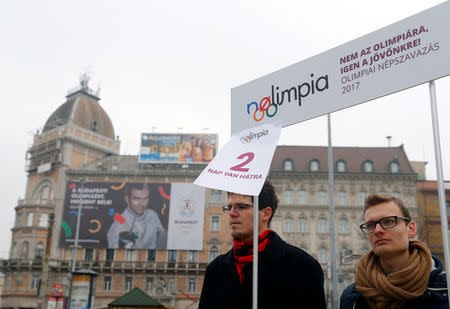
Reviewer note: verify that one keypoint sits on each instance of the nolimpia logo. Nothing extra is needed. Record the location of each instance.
(251, 135)
(268, 106)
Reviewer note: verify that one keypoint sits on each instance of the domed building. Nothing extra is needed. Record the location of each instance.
(78, 132)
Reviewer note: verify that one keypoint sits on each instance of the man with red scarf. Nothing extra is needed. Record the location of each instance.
(288, 277)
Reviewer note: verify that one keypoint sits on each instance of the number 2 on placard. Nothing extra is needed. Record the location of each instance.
(240, 166)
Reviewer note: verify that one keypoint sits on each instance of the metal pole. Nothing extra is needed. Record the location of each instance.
(440, 179)
(334, 299)
(255, 253)
(75, 248)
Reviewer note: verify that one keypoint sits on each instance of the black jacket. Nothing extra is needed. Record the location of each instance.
(435, 296)
(288, 278)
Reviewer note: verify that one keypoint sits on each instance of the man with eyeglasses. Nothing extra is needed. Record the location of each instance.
(288, 277)
(398, 272)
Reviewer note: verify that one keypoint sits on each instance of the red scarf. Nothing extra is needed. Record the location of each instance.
(243, 252)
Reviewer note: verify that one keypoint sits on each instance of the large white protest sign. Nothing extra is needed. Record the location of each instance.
(407, 53)
(241, 166)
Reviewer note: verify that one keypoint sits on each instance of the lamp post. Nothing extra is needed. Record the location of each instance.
(75, 248)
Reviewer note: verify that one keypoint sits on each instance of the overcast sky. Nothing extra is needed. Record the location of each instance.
(168, 66)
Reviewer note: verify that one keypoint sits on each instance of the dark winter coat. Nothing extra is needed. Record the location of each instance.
(435, 296)
(288, 278)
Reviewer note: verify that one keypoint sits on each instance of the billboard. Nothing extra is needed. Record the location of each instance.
(134, 215)
(405, 54)
(177, 148)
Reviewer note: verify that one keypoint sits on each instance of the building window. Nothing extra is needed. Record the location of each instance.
(151, 255)
(18, 219)
(148, 283)
(43, 220)
(303, 225)
(340, 166)
(322, 198)
(128, 283)
(362, 197)
(130, 255)
(39, 251)
(323, 226)
(24, 250)
(14, 249)
(288, 165)
(314, 165)
(302, 197)
(368, 166)
(109, 256)
(394, 167)
(288, 197)
(396, 194)
(94, 125)
(213, 253)
(215, 196)
(323, 255)
(172, 257)
(215, 223)
(35, 280)
(30, 217)
(88, 254)
(170, 286)
(342, 198)
(288, 225)
(107, 283)
(192, 285)
(192, 256)
(343, 228)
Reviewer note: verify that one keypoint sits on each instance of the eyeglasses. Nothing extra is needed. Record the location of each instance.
(386, 223)
(237, 207)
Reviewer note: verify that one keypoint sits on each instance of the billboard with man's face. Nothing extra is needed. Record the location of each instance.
(177, 148)
(133, 215)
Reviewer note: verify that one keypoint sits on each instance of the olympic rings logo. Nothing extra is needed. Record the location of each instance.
(263, 109)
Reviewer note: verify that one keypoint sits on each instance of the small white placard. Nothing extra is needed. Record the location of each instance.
(242, 164)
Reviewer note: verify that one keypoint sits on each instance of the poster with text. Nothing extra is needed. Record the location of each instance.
(130, 215)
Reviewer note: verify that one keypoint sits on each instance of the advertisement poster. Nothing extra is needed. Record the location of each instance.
(186, 217)
(127, 215)
(177, 148)
(80, 292)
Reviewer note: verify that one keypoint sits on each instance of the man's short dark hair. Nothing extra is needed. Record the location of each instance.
(136, 186)
(267, 198)
(379, 198)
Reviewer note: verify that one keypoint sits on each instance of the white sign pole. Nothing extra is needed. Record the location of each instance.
(255, 252)
(334, 299)
(440, 179)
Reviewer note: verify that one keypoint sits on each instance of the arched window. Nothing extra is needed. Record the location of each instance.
(43, 220)
(323, 255)
(394, 167)
(288, 225)
(323, 228)
(342, 198)
(288, 197)
(362, 197)
(322, 198)
(213, 253)
(368, 166)
(39, 250)
(43, 193)
(24, 250)
(343, 227)
(303, 225)
(314, 165)
(30, 217)
(14, 250)
(340, 166)
(302, 197)
(288, 165)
